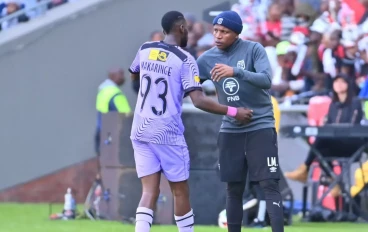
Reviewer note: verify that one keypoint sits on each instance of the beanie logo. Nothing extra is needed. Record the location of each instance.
(219, 21)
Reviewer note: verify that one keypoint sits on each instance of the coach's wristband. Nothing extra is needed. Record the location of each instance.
(231, 111)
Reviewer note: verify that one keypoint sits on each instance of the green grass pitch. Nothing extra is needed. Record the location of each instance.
(34, 218)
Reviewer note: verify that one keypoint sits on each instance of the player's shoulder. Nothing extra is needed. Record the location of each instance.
(210, 52)
(146, 45)
(189, 57)
(250, 44)
(166, 48)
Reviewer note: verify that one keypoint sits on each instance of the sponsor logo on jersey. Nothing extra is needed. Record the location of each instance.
(158, 55)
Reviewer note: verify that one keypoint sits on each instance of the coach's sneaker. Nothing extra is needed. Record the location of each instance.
(300, 174)
(258, 224)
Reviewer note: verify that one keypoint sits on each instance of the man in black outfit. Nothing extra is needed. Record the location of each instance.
(241, 73)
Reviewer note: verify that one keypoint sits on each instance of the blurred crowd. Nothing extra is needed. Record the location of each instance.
(308, 44)
(8, 7)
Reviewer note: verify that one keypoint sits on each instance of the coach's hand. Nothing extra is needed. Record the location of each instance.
(244, 115)
(221, 71)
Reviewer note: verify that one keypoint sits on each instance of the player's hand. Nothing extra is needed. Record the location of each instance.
(220, 71)
(244, 115)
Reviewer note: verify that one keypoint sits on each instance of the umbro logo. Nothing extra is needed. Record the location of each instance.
(273, 169)
(272, 164)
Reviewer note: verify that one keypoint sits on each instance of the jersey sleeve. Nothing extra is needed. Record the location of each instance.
(262, 77)
(190, 75)
(135, 66)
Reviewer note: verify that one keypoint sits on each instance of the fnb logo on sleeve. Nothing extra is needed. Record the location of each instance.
(158, 55)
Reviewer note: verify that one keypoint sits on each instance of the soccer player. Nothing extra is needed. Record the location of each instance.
(167, 73)
(241, 73)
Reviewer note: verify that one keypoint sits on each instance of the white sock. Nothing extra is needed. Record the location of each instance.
(143, 219)
(185, 223)
(261, 211)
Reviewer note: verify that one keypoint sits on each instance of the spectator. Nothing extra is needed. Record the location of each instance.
(157, 36)
(280, 71)
(288, 21)
(316, 45)
(110, 98)
(334, 8)
(198, 30)
(315, 4)
(324, 6)
(363, 72)
(305, 14)
(363, 54)
(273, 26)
(8, 7)
(253, 14)
(345, 108)
(365, 15)
(191, 19)
(192, 44)
(35, 11)
(335, 56)
(11, 7)
(207, 39)
(319, 27)
(339, 12)
(289, 83)
(299, 62)
(2, 6)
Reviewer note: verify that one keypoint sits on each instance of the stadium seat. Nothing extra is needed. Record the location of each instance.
(316, 116)
(317, 111)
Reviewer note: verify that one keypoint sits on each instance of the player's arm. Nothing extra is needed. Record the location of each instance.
(262, 78)
(204, 103)
(192, 86)
(135, 81)
(134, 76)
(134, 70)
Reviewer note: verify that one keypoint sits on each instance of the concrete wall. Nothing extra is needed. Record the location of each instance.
(49, 79)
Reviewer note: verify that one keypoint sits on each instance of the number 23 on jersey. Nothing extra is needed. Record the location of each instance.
(146, 88)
